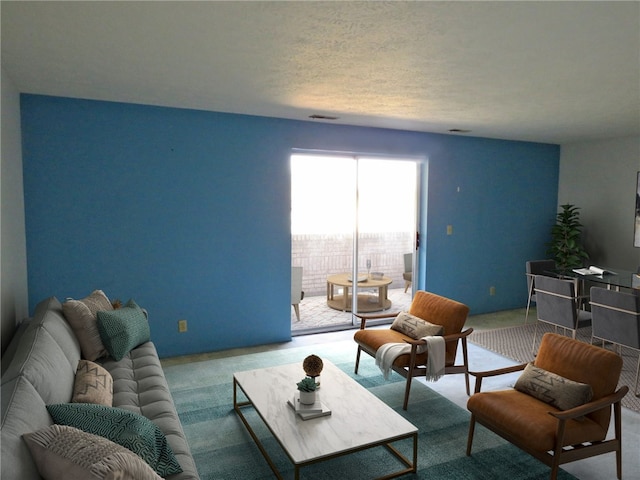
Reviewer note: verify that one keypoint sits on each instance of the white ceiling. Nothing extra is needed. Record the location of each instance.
(556, 72)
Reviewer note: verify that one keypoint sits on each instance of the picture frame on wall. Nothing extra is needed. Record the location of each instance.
(636, 241)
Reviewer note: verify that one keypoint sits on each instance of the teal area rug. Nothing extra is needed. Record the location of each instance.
(223, 449)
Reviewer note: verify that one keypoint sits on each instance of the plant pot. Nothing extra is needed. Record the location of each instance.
(307, 398)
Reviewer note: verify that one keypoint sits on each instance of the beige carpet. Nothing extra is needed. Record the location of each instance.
(516, 342)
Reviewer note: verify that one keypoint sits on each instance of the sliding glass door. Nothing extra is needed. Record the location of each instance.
(353, 221)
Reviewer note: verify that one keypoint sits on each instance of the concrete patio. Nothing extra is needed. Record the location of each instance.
(316, 316)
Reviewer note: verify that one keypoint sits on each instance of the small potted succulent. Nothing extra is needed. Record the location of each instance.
(307, 387)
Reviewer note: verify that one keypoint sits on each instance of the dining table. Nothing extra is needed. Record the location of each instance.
(611, 278)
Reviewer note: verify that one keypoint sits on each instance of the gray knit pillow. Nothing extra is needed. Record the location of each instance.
(65, 452)
(553, 389)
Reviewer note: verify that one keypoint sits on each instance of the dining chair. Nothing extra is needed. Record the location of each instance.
(616, 319)
(557, 305)
(533, 268)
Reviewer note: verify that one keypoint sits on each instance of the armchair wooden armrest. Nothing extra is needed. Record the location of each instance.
(454, 337)
(458, 336)
(589, 407)
(376, 316)
(493, 373)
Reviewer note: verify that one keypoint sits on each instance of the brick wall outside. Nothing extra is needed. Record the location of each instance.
(324, 255)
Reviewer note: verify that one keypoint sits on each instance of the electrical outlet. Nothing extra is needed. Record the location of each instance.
(492, 291)
(182, 326)
(449, 229)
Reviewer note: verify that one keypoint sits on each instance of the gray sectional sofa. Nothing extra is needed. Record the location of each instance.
(38, 369)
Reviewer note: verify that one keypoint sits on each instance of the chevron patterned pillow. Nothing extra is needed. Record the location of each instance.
(415, 327)
(93, 384)
(553, 389)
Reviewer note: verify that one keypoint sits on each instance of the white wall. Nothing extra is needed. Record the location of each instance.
(600, 178)
(13, 256)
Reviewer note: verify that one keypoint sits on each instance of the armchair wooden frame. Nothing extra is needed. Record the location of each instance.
(414, 369)
(561, 453)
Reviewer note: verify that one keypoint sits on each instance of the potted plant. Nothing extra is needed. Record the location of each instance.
(307, 388)
(566, 242)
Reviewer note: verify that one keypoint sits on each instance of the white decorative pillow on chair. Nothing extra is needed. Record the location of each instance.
(415, 327)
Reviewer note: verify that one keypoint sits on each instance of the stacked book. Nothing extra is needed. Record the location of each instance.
(306, 412)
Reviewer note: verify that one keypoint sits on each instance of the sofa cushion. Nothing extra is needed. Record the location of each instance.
(81, 314)
(65, 452)
(133, 431)
(49, 314)
(12, 348)
(41, 360)
(139, 385)
(56, 337)
(23, 411)
(93, 384)
(553, 389)
(415, 327)
(123, 329)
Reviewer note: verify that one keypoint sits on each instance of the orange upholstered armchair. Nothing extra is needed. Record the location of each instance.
(437, 310)
(556, 420)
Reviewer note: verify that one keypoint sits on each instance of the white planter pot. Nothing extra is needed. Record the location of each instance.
(307, 398)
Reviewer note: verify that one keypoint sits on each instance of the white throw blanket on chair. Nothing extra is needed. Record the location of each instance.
(435, 346)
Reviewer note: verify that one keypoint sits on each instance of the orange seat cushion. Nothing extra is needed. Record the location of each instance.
(527, 420)
(431, 307)
(372, 339)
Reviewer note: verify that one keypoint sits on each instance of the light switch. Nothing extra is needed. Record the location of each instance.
(449, 229)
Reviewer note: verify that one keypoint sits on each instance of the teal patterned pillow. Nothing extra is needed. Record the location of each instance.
(123, 329)
(128, 429)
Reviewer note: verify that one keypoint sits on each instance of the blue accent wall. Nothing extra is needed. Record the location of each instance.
(188, 213)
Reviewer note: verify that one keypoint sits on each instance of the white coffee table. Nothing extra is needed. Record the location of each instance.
(359, 420)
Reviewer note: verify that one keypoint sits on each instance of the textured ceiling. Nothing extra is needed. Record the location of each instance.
(556, 72)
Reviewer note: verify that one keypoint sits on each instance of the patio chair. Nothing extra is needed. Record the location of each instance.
(556, 420)
(408, 271)
(296, 290)
(437, 310)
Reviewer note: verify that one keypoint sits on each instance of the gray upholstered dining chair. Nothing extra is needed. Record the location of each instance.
(533, 268)
(616, 319)
(557, 304)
